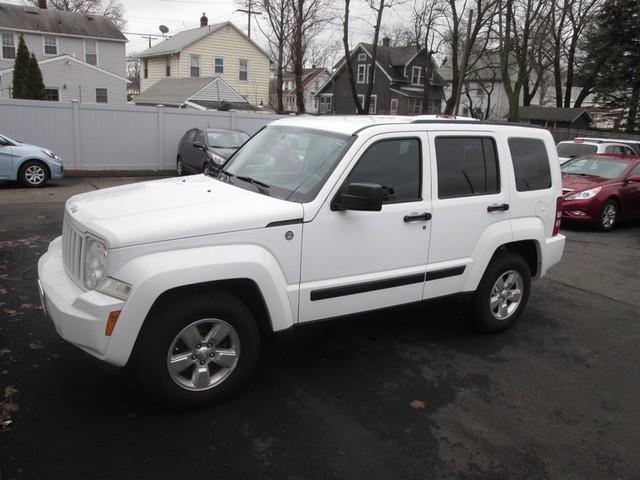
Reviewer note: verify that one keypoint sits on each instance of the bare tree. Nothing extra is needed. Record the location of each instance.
(347, 57)
(112, 9)
(279, 17)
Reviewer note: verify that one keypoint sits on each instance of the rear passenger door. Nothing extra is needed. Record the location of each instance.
(470, 204)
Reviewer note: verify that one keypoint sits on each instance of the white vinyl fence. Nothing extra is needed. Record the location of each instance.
(109, 137)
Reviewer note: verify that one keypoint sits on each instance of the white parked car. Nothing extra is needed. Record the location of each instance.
(313, 218)
(577, 148)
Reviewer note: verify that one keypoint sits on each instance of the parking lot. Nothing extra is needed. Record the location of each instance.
(409, 392)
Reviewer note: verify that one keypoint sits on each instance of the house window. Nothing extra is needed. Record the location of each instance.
(315, 103)
(101, 95)
(243, 72)
(393, 108)
(415, 106)
(372, 103)
(91, 52)
(218, 65)
(8, 46)
(195, 66)
(362, 74)
(167, 68)
(145, 72)
(416, 76)
(50, 45)
(325, 103)
(52, 94)
(362, 57)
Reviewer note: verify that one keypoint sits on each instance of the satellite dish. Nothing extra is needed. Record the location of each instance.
(164, 29)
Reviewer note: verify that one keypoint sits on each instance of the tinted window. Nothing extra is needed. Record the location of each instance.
(575, 149)
(394, 164)
(608, 168)
(530, 164)
(466, 166)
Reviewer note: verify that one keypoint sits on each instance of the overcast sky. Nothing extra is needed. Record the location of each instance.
(145, 16)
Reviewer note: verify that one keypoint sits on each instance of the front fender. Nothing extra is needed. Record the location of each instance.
(154, 274)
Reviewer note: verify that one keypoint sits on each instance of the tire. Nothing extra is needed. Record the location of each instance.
(496, 305)
(206, 371)
(179, 167)
(608, 215)
(33, 174)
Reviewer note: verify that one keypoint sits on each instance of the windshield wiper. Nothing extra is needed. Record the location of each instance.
(262, 187)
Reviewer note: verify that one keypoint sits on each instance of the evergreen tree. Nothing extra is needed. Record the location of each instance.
(20, 68)
(33, 85)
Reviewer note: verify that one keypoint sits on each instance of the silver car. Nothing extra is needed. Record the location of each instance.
(32, 166)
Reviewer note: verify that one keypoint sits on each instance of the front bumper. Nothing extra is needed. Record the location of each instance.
(57, 170)
(79, 316)
(580, 210)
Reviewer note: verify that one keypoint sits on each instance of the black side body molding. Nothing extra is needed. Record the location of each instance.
(284, 222)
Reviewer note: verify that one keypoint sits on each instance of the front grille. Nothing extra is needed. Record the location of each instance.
(72, 244)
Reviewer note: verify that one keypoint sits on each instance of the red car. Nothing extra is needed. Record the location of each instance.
(601, 189)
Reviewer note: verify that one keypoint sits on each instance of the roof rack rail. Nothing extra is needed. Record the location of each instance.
(479, 122)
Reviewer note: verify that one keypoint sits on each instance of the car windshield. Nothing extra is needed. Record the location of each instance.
(292, 162)
(596, 167)
(217, 139)
(575, 149)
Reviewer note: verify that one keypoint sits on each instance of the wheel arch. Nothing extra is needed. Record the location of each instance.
(21, 163)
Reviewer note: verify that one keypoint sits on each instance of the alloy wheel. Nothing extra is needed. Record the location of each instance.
(35, 175)
(506, 295)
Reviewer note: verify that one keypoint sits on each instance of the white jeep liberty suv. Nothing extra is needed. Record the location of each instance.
(313, 218)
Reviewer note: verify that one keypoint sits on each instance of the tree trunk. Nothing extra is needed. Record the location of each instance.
(298, 54)
(428, 69)
(633, 109)
(347, 58)
(374, 54)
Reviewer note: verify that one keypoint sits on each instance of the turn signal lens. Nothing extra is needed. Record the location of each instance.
(111, 322)
(558, 221)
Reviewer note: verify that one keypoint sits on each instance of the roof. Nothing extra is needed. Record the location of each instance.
(22, 18)
(69, 58)
(177, 91)
(308, 75)
(549, 114)
(185, 38)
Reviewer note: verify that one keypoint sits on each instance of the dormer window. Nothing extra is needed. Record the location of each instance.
(50, 45)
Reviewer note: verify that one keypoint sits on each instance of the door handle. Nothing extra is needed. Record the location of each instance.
(417, 217)
(498, 207)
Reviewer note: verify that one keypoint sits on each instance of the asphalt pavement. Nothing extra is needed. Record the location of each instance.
(406, 393)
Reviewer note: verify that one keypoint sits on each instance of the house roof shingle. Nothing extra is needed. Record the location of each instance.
(177, 91)
(553, 114)
(22, 18)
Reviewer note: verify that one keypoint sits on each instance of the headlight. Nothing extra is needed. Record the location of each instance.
(49, 153)
(95, 263)
(217, 159)
(585, 195)
(114, 288)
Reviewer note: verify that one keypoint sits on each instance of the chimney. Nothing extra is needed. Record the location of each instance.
(204, 21)
(386, 41)
(42, 4)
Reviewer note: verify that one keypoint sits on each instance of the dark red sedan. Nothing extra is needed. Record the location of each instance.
(601, 189)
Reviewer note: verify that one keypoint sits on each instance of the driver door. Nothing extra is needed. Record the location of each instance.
(354, 261)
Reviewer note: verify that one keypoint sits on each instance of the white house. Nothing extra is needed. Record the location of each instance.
(312, 79)
(207, 51)
(82, 57)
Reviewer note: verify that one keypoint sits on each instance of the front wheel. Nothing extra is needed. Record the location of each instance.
(179, 167)
(608, 215)
(198, 351)
(33, 174)
(502, 293)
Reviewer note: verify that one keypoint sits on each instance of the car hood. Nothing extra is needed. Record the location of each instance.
(578, 183)
(174, 208)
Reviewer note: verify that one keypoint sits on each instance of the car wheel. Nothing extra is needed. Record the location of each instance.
(33, 174)
(198, 351)
(179, 168)
(502, 293)
(608, 215)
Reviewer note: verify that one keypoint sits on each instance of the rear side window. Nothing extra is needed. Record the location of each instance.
(571, 150)
(394, 164)
(530, 164)
(466, 166)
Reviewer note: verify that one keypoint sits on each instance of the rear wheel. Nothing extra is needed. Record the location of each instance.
(502, 293)
(608, 215)
(198, 351)
(33, 174)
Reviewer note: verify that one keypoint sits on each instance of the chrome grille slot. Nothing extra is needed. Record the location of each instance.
(72, 241)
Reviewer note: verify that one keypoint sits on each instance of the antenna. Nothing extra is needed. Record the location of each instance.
(164, 29)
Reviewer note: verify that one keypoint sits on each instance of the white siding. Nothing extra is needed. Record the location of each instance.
(216, 91)
(75, 81)
(111, 55)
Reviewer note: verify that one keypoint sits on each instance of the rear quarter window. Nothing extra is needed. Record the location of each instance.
(530, 164)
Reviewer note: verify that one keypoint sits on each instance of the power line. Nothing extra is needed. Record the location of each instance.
(249, 11)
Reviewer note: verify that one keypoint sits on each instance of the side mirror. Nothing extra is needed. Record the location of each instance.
(360, 196)
(199, 145)
(634, 178)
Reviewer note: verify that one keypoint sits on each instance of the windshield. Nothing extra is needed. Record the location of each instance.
(216, 139)
(293, 162)
(575, 149)
(595, 167)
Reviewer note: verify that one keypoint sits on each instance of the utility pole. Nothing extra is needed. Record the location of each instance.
(249, 11)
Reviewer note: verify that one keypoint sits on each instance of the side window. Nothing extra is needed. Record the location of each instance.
(530, 164)
(628, 151)
(396, 165)
(199, 137)
(466, 166)
(635, 171)
(611, 149)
